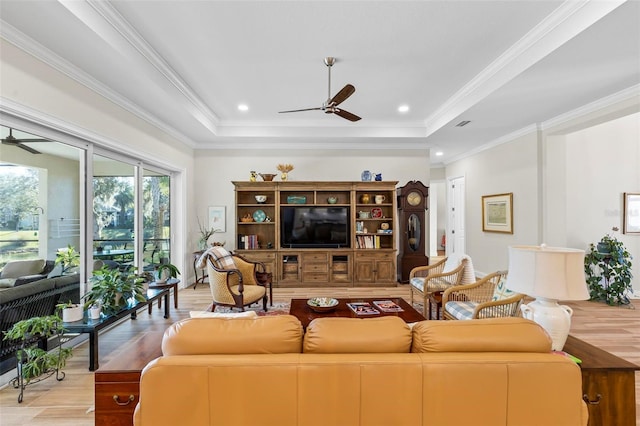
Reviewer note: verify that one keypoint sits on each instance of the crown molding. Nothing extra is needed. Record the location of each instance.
(629, 94)
(13, 114)
(35, 49)
(568, 20)
(122, 26)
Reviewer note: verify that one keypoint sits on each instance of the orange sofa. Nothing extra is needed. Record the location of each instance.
(347, 371)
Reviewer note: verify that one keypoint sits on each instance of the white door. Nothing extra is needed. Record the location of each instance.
(455, 206)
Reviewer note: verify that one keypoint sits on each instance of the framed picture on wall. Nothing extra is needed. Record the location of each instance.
(218, 218)
(497, 213)
(631, 220)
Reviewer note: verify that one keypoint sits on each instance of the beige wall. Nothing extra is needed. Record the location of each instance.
(49, 97)
(216, 169)
(567, 184)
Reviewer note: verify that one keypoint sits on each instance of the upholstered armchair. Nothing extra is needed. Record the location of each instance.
(232, 279)
(425, 281)
(486, 298)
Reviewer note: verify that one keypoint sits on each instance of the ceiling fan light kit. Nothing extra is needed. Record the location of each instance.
(330, 106)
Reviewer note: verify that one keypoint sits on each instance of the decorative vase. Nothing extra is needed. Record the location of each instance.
(365, 176)
(365, 198)
(284, 176)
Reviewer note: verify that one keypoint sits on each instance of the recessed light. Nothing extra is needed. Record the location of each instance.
(243, 107)
(403, 108)
(439, 153)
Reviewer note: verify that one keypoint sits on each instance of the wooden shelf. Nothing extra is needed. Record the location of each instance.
(320, 266)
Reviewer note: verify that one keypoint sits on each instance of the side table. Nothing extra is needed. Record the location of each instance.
(117, 383)
(436, 299)
(196, 256)
(171, 283)
(608, 384)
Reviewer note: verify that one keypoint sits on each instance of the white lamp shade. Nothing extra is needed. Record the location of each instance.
(547, 272)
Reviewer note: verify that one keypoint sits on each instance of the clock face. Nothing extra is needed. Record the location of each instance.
(414, 198)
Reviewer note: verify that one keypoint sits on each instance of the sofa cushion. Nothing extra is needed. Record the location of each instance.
(485, 335)
(261, 335)
(205, 314)
(356, 335)
(19, 268)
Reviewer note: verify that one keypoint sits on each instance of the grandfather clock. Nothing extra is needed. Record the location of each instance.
(412, 206)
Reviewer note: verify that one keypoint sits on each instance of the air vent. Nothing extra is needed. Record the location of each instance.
(463, 123)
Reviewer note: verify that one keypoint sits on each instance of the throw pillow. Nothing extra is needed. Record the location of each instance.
(21, 268)
(501, 291)
(222, 258)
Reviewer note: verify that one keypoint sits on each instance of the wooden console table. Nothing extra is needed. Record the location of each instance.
(117, 383)
(608, 384)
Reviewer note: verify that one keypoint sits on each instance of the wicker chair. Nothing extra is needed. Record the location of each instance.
(486, 298)
(233, 281)
(425, 281)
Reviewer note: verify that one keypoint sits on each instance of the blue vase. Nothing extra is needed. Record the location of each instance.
(366, 176)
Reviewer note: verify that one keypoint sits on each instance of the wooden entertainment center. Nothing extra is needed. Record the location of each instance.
(365, 256)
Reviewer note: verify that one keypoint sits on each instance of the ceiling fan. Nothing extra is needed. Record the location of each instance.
(12, 140)
(330, 106)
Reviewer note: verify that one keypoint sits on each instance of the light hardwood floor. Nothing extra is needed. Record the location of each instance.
(70, 401)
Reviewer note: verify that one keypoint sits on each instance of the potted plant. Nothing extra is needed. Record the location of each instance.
(166, 271)
(67, 258)
(36, 364)
(607, 266)
(113, 288)
(70, 311)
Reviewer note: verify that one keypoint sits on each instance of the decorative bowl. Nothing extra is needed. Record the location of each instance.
(322, 304)
(261, 199)
(267, 177)
(332, 200)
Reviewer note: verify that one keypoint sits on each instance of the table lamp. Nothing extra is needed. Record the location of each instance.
(549, 274)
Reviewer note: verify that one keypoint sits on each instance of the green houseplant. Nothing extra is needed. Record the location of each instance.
(607, 266)
(113, 288)
(166, 271)
(67, 258)
(36, 364)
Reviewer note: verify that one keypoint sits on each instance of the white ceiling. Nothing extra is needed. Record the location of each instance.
(186, 65)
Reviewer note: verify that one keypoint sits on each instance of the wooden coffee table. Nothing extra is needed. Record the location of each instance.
(303, 312)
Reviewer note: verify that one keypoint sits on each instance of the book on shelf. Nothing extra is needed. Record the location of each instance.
(387, 306)
(363, 308)
(248, 242)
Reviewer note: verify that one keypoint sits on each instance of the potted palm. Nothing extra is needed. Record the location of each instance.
(607, 266)
(112, 289)
(36, 364)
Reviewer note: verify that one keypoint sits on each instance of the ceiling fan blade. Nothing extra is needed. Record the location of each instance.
(33, 140)
(342, 95)
(346, 114)
(298, 110)
(28, 148)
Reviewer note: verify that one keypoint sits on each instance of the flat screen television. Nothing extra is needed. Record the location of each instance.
(314, 227)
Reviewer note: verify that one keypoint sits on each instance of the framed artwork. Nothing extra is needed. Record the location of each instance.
(218, 218)
(497, 213)
(631, 219)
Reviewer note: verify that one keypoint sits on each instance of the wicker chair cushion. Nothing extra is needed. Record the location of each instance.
(417, 282)
(460, 310)
(438, 284)
(501, 291)
(222, 258)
